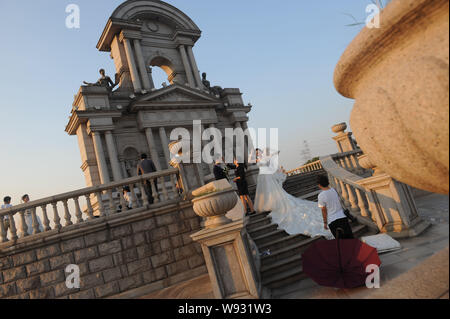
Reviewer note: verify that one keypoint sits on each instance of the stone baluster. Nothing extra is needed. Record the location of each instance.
(78, 213)
(123, 202)
(361, 203)
(3, 234)
(67, 216)
(101, 206)
(173, 182)
(337, 186)
(23, 225)
(112, 205)
(46, 221)
(90, 210)
(351, 196)
(344, 193)
(134, 201)
(164, 188)
(154, 186)
(12, 228)
(143, 187)
(349, 162)
(56, 218)
(34, 223)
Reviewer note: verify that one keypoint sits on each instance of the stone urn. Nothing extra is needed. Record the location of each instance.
(398, 75)
(213, 201)
(215, 206)
(339, 128)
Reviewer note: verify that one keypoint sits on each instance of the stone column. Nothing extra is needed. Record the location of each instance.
(100, 155)
(132, 65)
(141, 64)
(194, 67)
(187, 66)
(165, 143)
(152, 147)
(113, 157)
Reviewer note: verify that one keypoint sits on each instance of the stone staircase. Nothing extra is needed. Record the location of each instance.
(304, 185)
(284, 264)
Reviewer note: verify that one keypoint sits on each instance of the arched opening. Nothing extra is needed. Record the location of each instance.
(160, 77)
(162, 71)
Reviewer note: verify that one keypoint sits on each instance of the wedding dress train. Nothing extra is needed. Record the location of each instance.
(294, 215)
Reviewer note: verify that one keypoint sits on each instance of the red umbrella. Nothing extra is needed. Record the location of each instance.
(339, 263)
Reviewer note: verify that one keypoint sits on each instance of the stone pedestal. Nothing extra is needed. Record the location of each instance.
(229, 261)
(343, 139)
(393, 206)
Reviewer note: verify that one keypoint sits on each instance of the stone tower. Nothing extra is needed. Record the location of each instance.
(116, 123)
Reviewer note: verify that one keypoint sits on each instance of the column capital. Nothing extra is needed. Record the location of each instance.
(130, 35)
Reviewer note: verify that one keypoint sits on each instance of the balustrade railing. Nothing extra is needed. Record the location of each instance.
(349, 161)
(64, 210)
(355, 197)
(311, 167)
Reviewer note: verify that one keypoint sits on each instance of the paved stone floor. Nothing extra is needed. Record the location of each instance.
(414, 251)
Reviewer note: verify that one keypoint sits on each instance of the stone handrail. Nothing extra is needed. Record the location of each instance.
(349, 161)
(311, 167)
(355, 197)
(100, 201)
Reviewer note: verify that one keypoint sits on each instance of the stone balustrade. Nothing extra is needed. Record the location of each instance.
(64, 210)
(357, 198)
(350, 161)
(311, 167)
(377, 200)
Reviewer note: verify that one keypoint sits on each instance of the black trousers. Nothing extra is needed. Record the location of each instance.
(344, 225)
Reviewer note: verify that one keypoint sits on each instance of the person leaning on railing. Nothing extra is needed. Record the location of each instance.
(6, 204)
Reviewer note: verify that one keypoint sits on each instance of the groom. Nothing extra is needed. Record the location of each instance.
(333, 214)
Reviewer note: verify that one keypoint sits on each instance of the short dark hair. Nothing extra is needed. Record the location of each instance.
(7, 199)
(323, 180)
(25, 196)
(143, 156)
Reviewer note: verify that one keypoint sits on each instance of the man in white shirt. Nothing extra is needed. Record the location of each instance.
(333, 214)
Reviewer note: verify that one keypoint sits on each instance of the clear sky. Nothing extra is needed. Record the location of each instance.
(281, 54)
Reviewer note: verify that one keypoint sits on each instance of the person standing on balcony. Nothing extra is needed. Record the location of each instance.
(146, 166)
(332, 211)
(6, 204)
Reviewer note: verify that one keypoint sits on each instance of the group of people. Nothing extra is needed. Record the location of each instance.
(27, 214)
(326, 218)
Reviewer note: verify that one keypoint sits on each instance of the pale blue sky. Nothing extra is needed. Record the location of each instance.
(281, 54)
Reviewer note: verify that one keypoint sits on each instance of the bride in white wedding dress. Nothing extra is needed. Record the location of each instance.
(294, 215)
